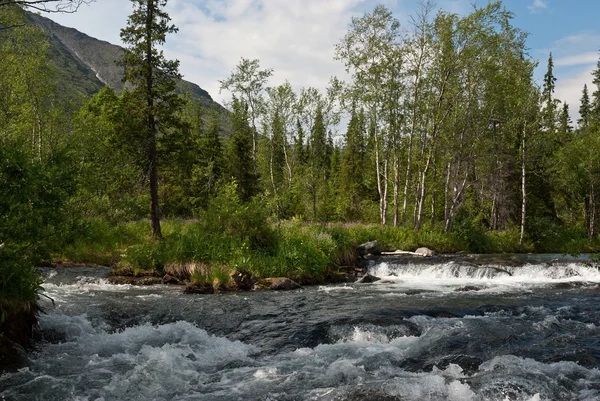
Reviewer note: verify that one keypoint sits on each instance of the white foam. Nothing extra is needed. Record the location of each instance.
(446, 277)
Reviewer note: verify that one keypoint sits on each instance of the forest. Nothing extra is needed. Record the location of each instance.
(438, 136)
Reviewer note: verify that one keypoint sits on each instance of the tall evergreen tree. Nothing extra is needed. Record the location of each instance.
(584, 108)
(240, 152)
(595, 103)
(352, 167)
(153, 78)
(564, 121)
(548, 102)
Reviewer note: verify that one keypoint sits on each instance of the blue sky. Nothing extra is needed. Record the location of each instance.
(296, 37)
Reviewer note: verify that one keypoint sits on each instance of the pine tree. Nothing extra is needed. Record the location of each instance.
(564, 119)
(595, 103)
(584, 108)
(548, 102)
(351, 169)
(241, 165)
(153, 78)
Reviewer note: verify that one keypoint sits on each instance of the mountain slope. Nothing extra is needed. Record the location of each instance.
(87, 64)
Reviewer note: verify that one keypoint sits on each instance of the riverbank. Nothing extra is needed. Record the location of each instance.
(208, 254)
(433, 330)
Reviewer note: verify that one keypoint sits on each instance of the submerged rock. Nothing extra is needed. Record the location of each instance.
(276, 284)
(368, 278)
(12, 355)
(424, 252)
(371, 247)
(469, 288)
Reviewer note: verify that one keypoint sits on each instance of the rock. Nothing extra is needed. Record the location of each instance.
(424, 252)
(370, 256)
(371, 247)
(242, 280)
(277, 284)
(168, 279)
(368, 278)
(12, 355)
(341, 277)
(198, 289)
(468, 288)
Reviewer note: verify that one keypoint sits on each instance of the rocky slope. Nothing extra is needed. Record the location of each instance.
(86, 64)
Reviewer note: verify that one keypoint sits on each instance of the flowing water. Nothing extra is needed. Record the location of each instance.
(460, 329)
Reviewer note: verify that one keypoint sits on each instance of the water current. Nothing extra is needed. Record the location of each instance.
(468, 328)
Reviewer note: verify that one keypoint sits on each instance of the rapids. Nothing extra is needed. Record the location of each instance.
(468, 328)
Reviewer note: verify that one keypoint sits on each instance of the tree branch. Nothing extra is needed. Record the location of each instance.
(48, 6)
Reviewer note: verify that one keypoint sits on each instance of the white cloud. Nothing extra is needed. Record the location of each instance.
(578, 59)
(537, 6)
(295, 38)
(569, 90)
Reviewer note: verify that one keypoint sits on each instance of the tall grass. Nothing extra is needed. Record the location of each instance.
(231, 235)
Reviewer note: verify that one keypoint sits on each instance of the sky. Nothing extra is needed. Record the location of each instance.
(296, 38)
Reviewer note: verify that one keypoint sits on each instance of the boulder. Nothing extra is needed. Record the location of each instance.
(242, 280)
(424, 252)
(371, 247)
(276, 284)
(467, 288)
(12, 355)
(370, 256)
(368, 278)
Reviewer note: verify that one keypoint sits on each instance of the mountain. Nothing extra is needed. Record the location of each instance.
(86, 64)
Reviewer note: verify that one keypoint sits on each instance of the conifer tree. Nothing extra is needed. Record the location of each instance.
(153, 78)
(241, 166)
(584, 108)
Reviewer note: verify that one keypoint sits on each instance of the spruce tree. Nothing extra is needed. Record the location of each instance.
(584, 108)
(241, 165)
(153, 79)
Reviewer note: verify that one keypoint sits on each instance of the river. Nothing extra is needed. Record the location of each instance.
(459, 329)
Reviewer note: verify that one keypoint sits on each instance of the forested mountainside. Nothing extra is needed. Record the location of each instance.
(85, 64)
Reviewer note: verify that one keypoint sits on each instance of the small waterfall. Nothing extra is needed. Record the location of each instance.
(459, 273)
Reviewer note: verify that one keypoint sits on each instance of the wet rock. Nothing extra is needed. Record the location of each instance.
(198, 289)
(168, 279)
(469, 364)
(469, 288)
(368, 278)
(12, 355)
(424, 252)
(147, 280)
(276, 284)
(341, 277)
(440, 313)
(371, 247)
(242, 280)
(370, 256)
(568, 285)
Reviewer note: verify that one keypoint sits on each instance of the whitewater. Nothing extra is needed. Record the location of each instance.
(458, 329)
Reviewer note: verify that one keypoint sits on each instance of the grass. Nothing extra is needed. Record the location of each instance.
(231, 235)
(202, 250)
